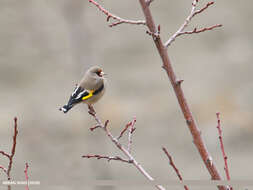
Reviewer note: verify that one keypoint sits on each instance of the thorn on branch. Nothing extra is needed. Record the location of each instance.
(108, 18)
(155, 35)
(179, 82)
(26, 175)
(209, 161)
(188, 121)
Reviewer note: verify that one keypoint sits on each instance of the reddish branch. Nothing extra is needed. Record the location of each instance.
(174, 167)
(130, 132)
(124, 130)
(4, 169)
(193, 13)
(26, 176)
(195, 30)
(108, 158)
(162, 49)
(222, 147)
(10, 156)
(117, 19)
(131, 159)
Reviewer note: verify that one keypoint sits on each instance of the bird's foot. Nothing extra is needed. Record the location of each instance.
(91, 110)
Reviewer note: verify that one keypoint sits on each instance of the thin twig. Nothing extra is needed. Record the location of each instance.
(4, 154)
(222, 148)
(108, 158)
(193, 13)
(130, 132)
(174, 166)
(122, 148)
(13, 148)
(196, 134)
(26, 176)
(196, 31)
(117, 19)
(4, 169)
(124, 130)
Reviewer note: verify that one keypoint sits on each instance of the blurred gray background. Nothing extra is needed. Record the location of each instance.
(46, 46)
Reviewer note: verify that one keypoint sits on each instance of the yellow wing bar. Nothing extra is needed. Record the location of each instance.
(89, 95)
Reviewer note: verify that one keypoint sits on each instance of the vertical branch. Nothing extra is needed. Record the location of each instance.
(10, 156)
(222, 147)
(26, 176)
(13, 148)
(198, 141)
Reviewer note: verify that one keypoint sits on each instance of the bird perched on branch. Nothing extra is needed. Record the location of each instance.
(89, 90)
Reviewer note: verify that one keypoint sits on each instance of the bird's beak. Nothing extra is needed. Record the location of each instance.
(102, 74)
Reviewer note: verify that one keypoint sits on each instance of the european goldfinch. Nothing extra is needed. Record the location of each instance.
(90, 89)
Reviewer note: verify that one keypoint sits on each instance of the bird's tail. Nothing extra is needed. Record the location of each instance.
(66, 108)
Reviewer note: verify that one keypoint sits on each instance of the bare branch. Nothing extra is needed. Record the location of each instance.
(26, 176)
(195, 30)
(4, 169)
(109, 158)
(13, 148)
(124, 130)
(222, 148)
(117, 19)
(174, 167)
(130, 132)
(10, 156)
(193, 13)
(122, 148)
(198, 141)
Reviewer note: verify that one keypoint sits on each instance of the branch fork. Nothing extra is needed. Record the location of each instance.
(126, 151)
(10, 156)
(117, 20)
(181, 31)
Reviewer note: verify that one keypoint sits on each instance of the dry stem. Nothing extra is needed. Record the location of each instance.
(117, 19)
(193, 13)
(222, 148)
(198, 141)
(131, 159)
(10, 156)
(26, 176)
(108, 158)
(174, 167)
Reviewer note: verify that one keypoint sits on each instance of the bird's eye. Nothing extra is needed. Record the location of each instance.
(99, 73)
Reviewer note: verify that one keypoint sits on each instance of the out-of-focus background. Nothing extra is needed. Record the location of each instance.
(46, 46)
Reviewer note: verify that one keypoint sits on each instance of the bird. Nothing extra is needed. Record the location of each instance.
(89, 90)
